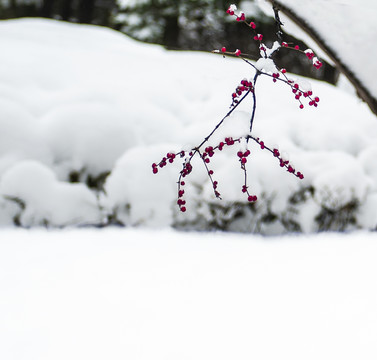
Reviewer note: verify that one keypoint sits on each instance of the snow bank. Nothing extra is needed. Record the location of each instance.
(46, 201)
(87, 104)
(163, 295)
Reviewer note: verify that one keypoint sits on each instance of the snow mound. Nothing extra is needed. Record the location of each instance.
(46, 201)
(86, 104)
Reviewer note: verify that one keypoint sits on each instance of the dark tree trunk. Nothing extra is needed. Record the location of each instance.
(171, 32)
(86, 11)
(66, 10)
(47, 8)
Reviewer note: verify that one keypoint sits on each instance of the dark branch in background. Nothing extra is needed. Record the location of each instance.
(362, 91)
(278, 24)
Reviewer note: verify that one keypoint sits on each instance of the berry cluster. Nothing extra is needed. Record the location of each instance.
(300, 94)
(241, 17)
(245, 88)
(276, 153)
(206, 156)
(308, 52)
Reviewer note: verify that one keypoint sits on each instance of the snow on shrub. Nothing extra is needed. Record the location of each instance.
(87, 137)
(19, 139)
(43, 200)
(133, 198)
(114, 106)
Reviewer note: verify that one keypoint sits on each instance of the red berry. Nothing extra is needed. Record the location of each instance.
(317, 64)
(252, 198)
(241, 17)
(183, 208)
(252, 25)
(223, 49)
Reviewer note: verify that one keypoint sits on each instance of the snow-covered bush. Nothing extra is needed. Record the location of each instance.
(79, 133)
(43, 200)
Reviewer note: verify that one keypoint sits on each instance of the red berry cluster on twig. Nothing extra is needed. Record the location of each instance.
(245, 88)
(276, 153)
(206, 156)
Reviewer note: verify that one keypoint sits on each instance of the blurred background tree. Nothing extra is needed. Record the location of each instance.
(98, 12)
(176, 24)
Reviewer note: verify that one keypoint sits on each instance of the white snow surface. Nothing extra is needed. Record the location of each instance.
(89, 100)
(349, 27)
(162, 295)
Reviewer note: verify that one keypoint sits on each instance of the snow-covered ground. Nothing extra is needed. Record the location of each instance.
(79, 102)
(132, 294)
